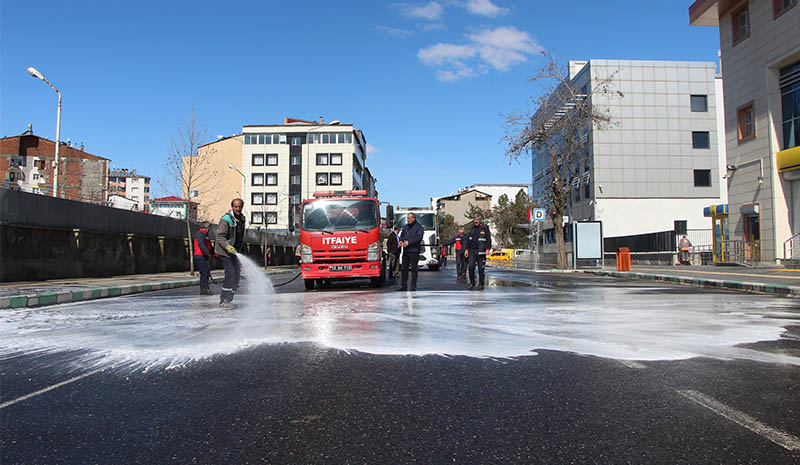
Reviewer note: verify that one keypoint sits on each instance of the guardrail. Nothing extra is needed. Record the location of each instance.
(740, 252)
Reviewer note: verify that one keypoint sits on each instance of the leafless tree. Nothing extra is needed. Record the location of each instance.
(188, 169)
(557, 132)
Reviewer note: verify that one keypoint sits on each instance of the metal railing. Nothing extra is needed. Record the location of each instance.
(739, 252)
(791, 248)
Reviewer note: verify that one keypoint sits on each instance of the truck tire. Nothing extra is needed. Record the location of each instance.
(309, 284)
(433, 267)
(378, 281)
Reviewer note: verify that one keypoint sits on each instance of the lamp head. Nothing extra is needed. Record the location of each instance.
(35, 73)
(334, 122)
(231, 167)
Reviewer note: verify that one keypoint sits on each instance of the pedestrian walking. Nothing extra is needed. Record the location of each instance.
(683, 246)
(477, 243)
(393, 249)
(443, 255)
(461, 261)
(202, 255)
(230, 239)
(410, 240)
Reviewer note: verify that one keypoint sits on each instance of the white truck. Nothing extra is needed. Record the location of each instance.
(426, 217)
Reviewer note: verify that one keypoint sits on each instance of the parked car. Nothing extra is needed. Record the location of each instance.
(504, 255)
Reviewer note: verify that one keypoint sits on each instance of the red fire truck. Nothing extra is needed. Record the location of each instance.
(340, 238)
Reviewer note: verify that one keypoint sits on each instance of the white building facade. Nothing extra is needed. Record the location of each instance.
(760, 46)
(283, 165)
(660, 160)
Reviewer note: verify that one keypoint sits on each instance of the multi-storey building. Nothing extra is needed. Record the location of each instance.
(659, 161)
(213, 196)
(284, 164)
(127, 183)
(760, 47)
(458, 205)
(26, 164)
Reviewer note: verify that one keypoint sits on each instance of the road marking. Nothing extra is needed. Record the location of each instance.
(632, 364)
(785, 440)
(49, 388)
(663, 271)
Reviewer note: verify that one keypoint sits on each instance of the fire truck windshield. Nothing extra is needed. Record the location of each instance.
(426, 220)
(330, 215)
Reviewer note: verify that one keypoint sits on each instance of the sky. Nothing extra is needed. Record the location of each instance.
(427, 81)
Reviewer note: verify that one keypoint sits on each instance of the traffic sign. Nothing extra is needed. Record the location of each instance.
(539, 214)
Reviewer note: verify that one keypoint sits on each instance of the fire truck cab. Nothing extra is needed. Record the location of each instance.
(340, 238)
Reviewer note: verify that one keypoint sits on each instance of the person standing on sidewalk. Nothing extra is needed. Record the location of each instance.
(478, 243)
(230, 238)
(410, 240)
(461, 262)
(202, 254)
(393, 249)
(683, 246)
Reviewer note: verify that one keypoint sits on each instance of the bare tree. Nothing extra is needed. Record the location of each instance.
(557, 132)
(188, 169)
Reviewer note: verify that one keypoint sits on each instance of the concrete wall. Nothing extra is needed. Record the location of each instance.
(48, 238)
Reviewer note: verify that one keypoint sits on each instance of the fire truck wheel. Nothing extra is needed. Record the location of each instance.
(309, 284)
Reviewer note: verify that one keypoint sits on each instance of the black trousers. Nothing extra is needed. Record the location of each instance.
(410, 260)
(475, 258)
(201, 263)
(232, 270)
(461, 265)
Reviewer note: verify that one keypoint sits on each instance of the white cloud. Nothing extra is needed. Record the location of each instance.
(395, 32)
(485, 8)
(440, 54)
(432, 11)
(504, 47)
(372, 150)
(461, 72)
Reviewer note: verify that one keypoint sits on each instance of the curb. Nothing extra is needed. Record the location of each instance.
(741, 286)
(52, 298)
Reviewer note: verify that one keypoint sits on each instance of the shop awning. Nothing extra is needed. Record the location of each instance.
(716, 210)
(789, 160)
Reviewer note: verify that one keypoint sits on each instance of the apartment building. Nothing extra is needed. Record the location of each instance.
(284, 164)
(760, 47)
(459, 204)
(214, 197)
(130, 185)
(26, 164)
(659, 161)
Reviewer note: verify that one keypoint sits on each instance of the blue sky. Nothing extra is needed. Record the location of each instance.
(426, 81)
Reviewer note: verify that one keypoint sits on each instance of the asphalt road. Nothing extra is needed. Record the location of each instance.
(545, 369)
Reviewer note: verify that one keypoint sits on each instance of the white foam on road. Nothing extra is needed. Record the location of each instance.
(628, 323)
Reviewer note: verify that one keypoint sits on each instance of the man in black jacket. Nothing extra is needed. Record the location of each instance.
(461, 262)
(230, 239)
(393, 249)
(410, 240)
(478, 243)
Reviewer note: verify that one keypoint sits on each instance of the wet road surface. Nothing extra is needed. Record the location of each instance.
(536, 369)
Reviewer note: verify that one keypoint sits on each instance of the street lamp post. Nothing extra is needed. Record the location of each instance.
(35, 73)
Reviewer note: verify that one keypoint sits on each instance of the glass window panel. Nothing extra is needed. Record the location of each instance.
(261, 138)
(340, 138)
(256, 218)
(336, 159)
(257, 198)
(322, 179)
(322, 158)
(258, 159)
(700, 140)
(699, 103)
(268, 139)
(276, 139)
(349, 138)
(297, 141)
(258, 179)
(271, 198)
(272, 217)
(295, 160)
(295, 179)
(702, 178)
(272, 159)
(272, 179)
(282, 138)
(326, 138)
(336, 179)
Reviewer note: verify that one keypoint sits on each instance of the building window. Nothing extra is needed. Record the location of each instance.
(37, 177)
(271, 179)
(702, 178)
(38, 164)
(271, 198)
(322, 179)
(281, 139)
(258, 159)
(272, 159)
(700, 140)
(248, 139)
(258, 179)
(336, 179)
(340, 138)
(322, 159)
(294, 199)
(745, 118)
(297, 140)
(587, 191)
(790, 103)
(740, 22)
(295, 160)
(326, 138)
(36, 190)
(779, 7)
(336, 159)
(313, 138)
(262, 139)
(257, 198)
(295, 179)
(256, 218)
(272, 217)
(699, 103)
(276, 139)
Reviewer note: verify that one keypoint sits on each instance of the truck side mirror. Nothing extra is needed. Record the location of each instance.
(389, 216)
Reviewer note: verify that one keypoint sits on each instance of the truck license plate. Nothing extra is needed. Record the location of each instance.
(340, 268)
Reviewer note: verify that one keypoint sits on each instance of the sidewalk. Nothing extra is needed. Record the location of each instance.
(39, 293)
(759, 279)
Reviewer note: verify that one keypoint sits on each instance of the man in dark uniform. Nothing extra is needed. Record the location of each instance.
(202, 254)
(477, 243)
(230, 238)
(410, 240)
(461, 262)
